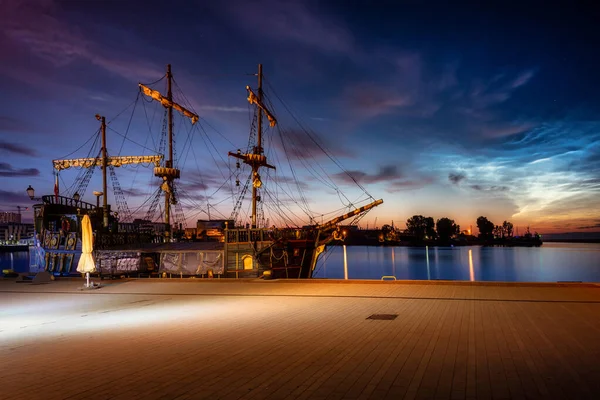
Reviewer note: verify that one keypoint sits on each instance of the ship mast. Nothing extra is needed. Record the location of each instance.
(168, 173)
(105, 162)
(257, 159)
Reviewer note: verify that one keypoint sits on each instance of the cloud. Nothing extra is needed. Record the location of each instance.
(481, 188)
(522, 79)
(14, 198)
(371, 100)
(10, 124)
(17, 149)
(301, 145)
(386, 173)
(288, 180)
(456, 178)
(409, 184)
(292, 21)
(595, 226)
(7, 170)
(223, 108)
(135, 192)
(39, 27)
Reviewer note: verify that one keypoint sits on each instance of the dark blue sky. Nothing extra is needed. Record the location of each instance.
(441, 110)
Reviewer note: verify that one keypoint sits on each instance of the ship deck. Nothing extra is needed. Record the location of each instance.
(222, 339)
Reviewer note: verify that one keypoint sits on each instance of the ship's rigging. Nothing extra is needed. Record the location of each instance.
(280, 188)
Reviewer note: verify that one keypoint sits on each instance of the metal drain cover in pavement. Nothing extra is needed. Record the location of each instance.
(385, 317)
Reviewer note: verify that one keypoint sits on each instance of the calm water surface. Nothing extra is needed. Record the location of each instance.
(551, 262)
(17, 261)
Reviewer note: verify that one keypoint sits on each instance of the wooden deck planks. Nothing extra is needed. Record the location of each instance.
(301, 341)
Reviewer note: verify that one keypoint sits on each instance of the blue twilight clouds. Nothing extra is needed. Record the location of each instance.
(441, 110)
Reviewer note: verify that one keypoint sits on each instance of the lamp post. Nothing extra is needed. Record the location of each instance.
(31, 193)
(344, 234)
(98, 194)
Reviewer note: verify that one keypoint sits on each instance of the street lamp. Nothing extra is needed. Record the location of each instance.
(76, 196)
(31, 193)
(98, 194)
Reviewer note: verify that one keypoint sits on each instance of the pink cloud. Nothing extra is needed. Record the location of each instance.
(505, 130)
(370, 100)
(522, 79)
(298, 21)
(37, 27)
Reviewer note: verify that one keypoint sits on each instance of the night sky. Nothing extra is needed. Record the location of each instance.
(440, 110)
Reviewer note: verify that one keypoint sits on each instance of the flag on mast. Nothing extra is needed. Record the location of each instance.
(56, 188)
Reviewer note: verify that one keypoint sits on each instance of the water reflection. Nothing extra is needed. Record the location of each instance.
(427, 257)
(471, 271)
(550, 263)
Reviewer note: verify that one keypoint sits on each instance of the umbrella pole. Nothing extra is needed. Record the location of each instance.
(87, 277)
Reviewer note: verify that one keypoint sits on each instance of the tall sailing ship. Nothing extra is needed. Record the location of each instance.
(249, 248)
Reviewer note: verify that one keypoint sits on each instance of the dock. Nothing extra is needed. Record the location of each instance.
(312, 339)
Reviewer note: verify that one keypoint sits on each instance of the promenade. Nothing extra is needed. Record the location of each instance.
(197, 339)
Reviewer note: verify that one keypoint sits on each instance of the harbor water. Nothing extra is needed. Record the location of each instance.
(552, 262)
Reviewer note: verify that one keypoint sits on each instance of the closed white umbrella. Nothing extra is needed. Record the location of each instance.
(86, 261)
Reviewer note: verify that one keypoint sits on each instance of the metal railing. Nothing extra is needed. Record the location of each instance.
(67, 201)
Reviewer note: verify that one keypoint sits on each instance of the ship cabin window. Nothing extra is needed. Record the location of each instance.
(247, 261)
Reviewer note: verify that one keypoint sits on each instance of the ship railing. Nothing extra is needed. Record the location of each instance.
(67, 201)
(244, 235)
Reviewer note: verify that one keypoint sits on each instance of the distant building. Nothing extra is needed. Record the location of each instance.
(148, 226)
(15, 232)
(190, 233)
(212, 229)
(10, 218)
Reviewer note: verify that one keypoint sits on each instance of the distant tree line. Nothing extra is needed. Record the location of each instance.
(423, 228)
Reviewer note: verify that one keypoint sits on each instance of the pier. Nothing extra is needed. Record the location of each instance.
(316, 339)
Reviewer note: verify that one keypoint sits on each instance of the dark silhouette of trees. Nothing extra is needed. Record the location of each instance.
(446, 228)
(486, 228)
(507, 229)
(386, 228)
(497, 231)
(421, 227)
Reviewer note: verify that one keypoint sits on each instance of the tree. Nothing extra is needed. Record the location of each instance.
(446, 228)
(420, 227)
(507, 229)
(498, 231)
(486, 228)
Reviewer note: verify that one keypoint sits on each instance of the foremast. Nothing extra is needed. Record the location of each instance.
(257, 159)
(104, 161)
(168, 173)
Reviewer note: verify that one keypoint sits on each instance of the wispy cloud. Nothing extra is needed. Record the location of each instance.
(223, 108)
(292, 21)
(456, 178)
(8, 197)
(301, 145)
(17, 149)
(11, 124)
(34, 26)
(370, 100)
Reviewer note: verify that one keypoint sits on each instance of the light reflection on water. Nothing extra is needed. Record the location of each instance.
(551, 262)
(17, 261)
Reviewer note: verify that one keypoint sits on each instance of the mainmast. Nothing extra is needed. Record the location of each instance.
(168, 173)
(257, 159)
(104, 164)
